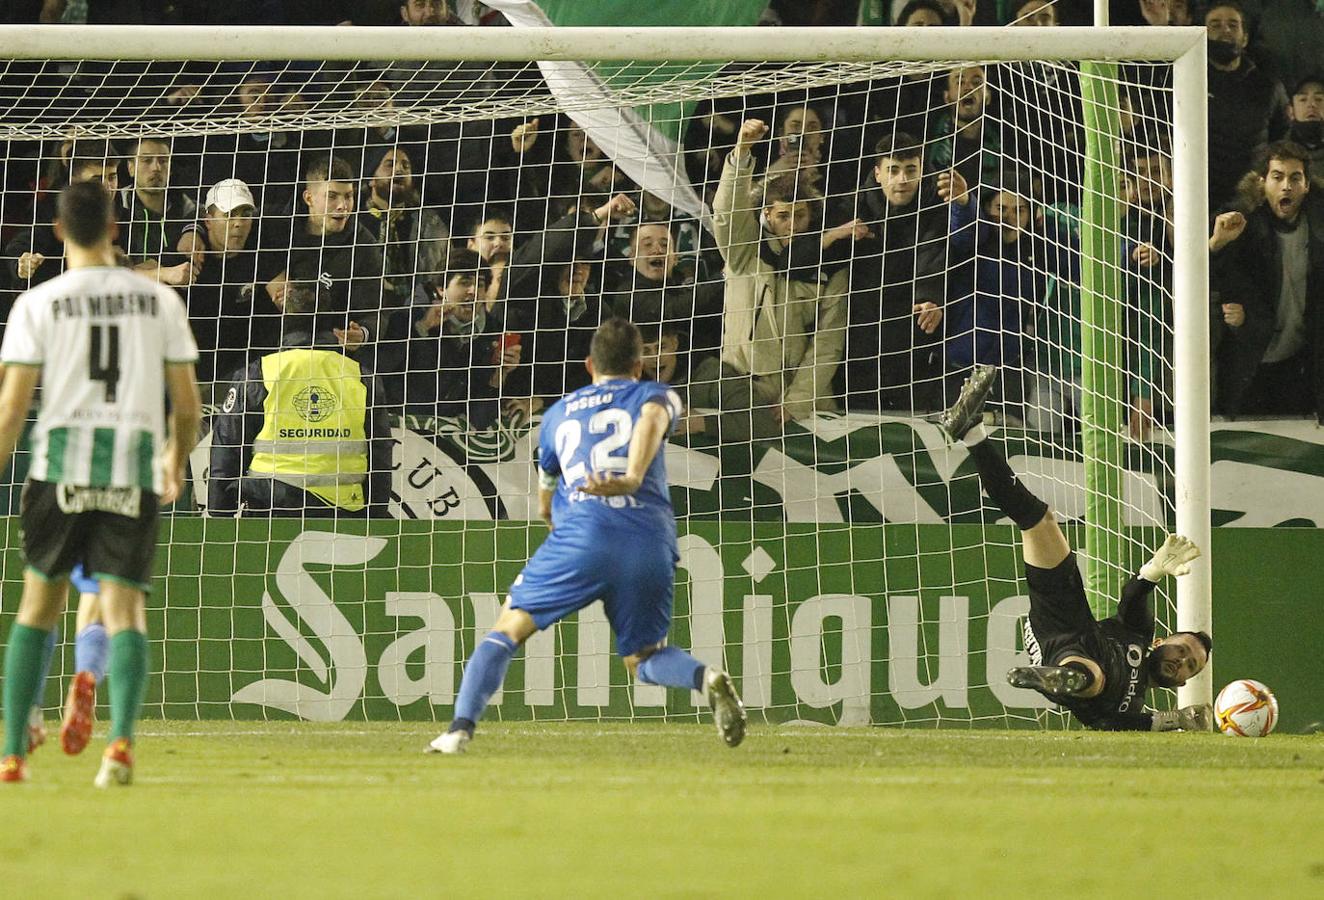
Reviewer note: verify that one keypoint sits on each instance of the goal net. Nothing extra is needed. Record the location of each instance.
(910, 207)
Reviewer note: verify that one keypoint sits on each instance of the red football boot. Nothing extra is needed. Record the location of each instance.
(13, 768)
(79, 709)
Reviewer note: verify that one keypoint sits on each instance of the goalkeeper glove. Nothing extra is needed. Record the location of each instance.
(1189, 718)
(1173, 558)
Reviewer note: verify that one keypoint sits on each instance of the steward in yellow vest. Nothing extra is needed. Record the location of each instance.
(302, 432)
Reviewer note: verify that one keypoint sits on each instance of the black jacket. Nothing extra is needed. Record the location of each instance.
(1247, 109)
(225, 306)
(1249, 271)
(695, 307)
(37, 238)
(448, 374)
(143, 234)
(345, 269)
(903, 264)
(240, 421)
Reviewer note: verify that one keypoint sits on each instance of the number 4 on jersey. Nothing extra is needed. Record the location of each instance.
(103, 363)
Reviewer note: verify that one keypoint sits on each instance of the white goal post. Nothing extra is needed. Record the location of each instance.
(1184, 48)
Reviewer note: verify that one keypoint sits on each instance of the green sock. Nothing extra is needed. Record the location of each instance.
(128, 681)
(22, 672)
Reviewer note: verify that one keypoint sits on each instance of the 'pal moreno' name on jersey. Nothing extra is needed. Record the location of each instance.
(105, 305)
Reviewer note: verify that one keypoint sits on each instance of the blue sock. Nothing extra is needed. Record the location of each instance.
(482, 676)
(47, 654)
(672, 667)
(91, 647)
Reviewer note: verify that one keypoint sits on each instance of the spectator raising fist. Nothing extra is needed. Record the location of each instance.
(751, 132)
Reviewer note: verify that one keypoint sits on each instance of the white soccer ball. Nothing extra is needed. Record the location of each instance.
(1246, 708)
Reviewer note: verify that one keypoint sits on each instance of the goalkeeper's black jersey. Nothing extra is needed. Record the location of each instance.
(1121, 652)
(1061, 625)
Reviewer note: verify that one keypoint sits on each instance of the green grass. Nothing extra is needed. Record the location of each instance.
(355, 810)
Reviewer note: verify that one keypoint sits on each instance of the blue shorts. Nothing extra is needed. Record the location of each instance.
(634, 578)
(82, 583)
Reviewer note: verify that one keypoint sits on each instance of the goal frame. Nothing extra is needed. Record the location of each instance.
(1184, 47)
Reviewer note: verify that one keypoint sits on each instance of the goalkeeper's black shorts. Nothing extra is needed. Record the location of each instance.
(1059, 610)
(111, 531)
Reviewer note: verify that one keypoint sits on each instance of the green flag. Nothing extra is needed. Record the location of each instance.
(645, 141)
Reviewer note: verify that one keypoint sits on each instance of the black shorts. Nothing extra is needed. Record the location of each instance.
(1060, 617)
(111, 531)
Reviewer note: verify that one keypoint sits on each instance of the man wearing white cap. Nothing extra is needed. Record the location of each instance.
(223, 250)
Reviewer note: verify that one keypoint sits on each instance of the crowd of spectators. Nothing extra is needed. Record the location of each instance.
(869, 243)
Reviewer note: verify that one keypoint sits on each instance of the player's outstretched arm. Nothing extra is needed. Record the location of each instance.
(1173, 558)
(20, 383)
(649, 432)
(185, 416)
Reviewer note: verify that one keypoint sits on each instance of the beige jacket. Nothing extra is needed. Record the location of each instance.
(790, 335)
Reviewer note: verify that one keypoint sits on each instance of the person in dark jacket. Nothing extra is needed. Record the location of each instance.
(325, 247)
(1307, 114)
(967, 139)
(1267, 272)
(152, 216)
(566, 314)
(35, 255)
(414, 239)
(1004, 269)
(1247, 107)
(303, 432)
(898, 279)
(653, 279)
(222, 245)
(458, 357)
(549, 300)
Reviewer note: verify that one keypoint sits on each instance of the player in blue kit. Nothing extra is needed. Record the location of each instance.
(91, 649)
(603, 492)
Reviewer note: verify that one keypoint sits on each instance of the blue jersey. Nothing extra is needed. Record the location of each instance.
(589, 430)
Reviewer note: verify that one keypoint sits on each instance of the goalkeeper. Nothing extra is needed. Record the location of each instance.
(1099, 670)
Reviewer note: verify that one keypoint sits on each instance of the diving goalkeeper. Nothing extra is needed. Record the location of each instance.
(1099, 670)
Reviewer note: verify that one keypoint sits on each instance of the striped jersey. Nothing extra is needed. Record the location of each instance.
(102, 337)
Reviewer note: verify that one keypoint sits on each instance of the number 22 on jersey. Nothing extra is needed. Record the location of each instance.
(609, 431)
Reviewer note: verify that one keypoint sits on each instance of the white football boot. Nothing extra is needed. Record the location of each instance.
(728, 711)
(450, 742)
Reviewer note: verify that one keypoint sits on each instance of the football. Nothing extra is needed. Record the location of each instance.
(1246, 708)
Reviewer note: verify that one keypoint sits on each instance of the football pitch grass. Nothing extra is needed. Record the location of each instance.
(290, 809)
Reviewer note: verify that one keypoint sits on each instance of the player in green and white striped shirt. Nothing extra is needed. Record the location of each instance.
(107, 346)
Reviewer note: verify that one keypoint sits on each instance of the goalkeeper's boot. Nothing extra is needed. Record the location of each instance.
(968, 410)
(728, 711)
(1055, 681)
(79, 708)
(454, 741)
(14, 769)
(36, 729)
(116, 765)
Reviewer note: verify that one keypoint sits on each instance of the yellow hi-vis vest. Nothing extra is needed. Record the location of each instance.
(313, 435)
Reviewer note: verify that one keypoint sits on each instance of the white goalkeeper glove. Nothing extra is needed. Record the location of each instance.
(1189, 718)
(1173, 558)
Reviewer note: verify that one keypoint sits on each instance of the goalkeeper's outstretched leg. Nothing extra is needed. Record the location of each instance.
(1044, 546)
(1043, 543)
